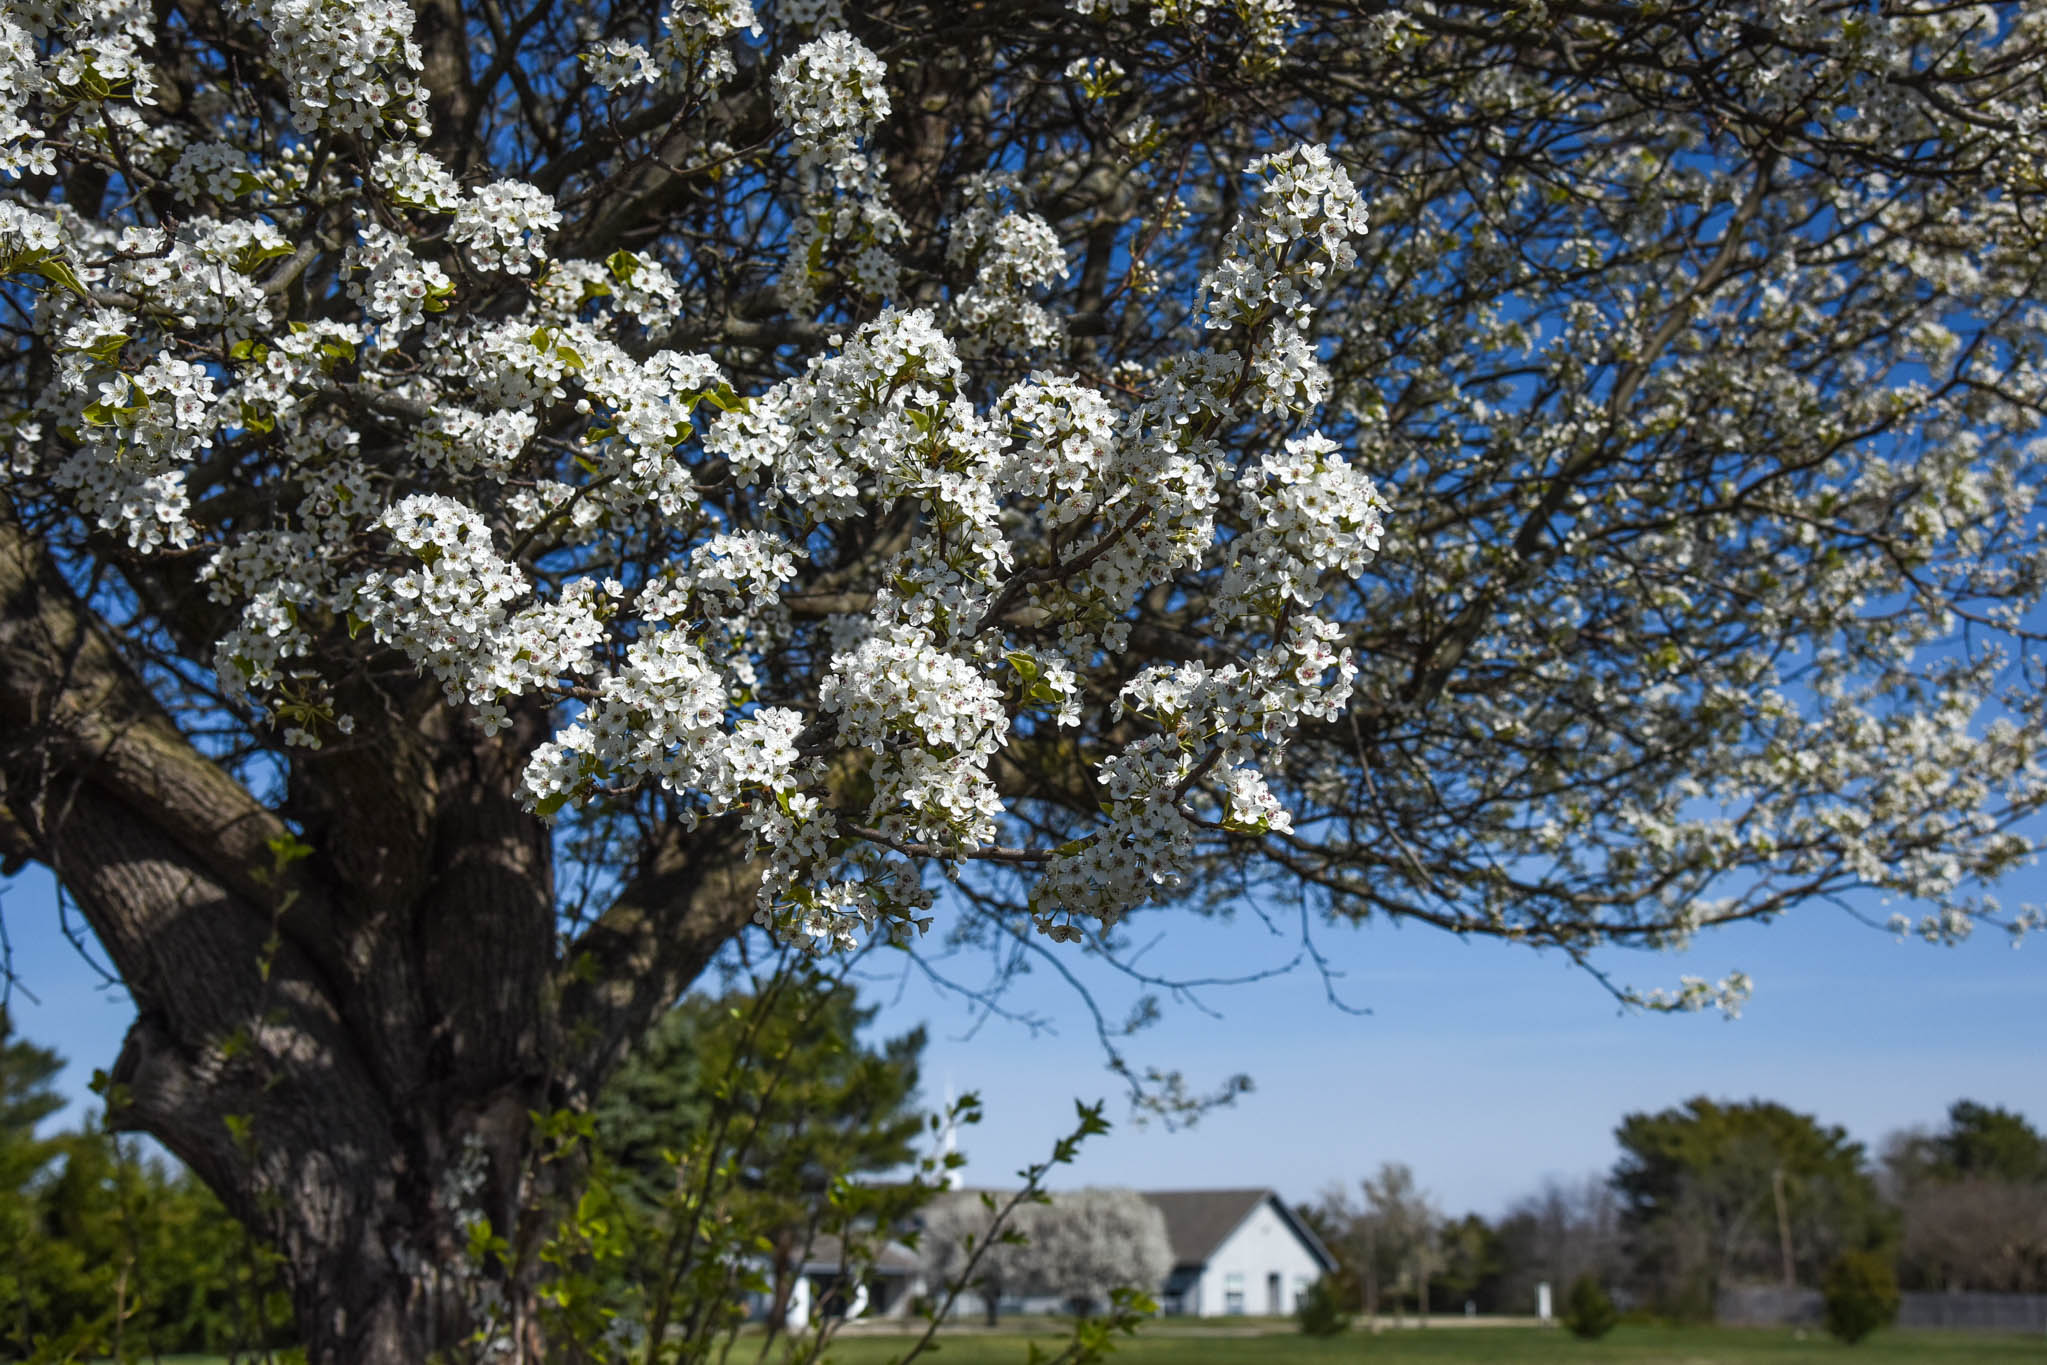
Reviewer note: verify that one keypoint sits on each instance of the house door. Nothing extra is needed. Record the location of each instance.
(1272, 1307)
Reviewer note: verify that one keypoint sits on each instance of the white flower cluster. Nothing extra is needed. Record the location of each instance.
(395, 286)
(26, 232)
(730, 588)
(695, 41)
(1262, 276)
(830, 93)
(617, 65)
(498, 223)
(1311, 515)
(898, 685)
(350, 63)
(212, 170)
(102, 52)
(637, 285)
(22, 144)
(1016, 253)
(1098, 77)
(465, 441)
(138, 432)
(1265, 22)
(849, 417)
(450, 615)
(1210, 725)
(501, 224)
(692, 50)
(414, 177)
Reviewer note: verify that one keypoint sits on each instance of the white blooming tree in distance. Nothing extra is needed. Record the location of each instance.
(501, 497)
(1076, 1247)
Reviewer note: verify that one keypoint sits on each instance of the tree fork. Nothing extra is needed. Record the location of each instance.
(314, 1038)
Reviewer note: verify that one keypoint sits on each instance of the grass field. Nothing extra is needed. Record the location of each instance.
(1452, 1346)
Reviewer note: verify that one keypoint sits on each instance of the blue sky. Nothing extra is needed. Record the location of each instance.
(1483, 1066)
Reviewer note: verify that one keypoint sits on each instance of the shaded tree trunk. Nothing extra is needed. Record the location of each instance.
(349, 1006)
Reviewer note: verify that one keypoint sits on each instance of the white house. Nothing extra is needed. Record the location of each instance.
(822, 1285)
(1237, 1251)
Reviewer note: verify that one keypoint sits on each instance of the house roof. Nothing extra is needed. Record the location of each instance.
(827, 1257)
(1200, 1221)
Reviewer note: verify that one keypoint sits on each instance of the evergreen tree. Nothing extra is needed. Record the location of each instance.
(1588, 1311)
(109, 1253)
(1714, 1192)
(26, 1099)
(772, 1078)
(1980, 1142)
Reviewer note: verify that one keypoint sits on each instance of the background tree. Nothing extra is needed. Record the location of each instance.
(1403, 1229)
(1385, 1242)
(1322, 1310)
(1473, 1265)
(1979, 1142)
(1972, 1200)
(1558, 1235)
(1715, 1193)
(500, 499)
(1089, 1242)
(1075, 1246)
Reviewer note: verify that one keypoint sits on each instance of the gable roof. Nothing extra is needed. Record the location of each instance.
(827, 1256)
(1200, 1221)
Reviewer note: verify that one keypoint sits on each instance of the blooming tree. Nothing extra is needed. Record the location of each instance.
(501, 498)
(1077, 1246)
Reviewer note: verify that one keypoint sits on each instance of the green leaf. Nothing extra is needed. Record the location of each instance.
(623, 265)
(58, 272)
(106, 350)
(287, 848)
(252, 256)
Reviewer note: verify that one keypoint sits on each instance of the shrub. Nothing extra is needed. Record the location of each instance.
(1588, 1312)
(1320, 1310)
(1861, 1295)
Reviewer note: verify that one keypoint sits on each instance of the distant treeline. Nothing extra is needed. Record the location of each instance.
(1709, 1195)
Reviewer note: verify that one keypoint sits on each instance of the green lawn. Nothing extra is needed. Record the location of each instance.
(1625, 1346)
(1455, 1346)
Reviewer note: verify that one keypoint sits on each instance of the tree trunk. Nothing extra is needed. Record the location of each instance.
(1790, 1263)
(345, 1020)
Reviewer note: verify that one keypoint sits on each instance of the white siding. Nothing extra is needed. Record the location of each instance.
(1262, 1246)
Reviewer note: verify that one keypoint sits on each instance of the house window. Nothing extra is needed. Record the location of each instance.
(1233, 1293)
